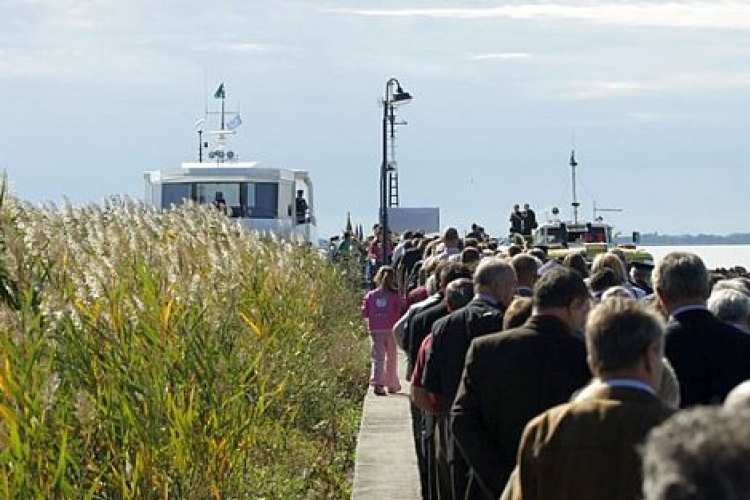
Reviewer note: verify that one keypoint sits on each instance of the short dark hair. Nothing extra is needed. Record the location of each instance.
(603, 279)
(698, 453)
(525, 265)
(538, 253)
(577, 261)
(558, 287)
(470, 255)
(453, 271)
(459, 292)
(618, 331)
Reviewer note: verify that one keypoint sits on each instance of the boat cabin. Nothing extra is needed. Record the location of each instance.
(563, 235)
(263, 199)
(276, 201)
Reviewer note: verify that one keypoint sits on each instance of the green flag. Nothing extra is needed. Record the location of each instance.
(220, 94)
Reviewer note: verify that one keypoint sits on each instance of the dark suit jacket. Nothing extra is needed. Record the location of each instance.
(709, 356)
(509, 378)
(587, 450)
(420, 326)
(451, 337)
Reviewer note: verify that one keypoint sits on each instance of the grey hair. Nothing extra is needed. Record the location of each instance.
(730, 284)
(730, 306)
(490, 271)
(681, 275)
(701, 453)
(617, 291)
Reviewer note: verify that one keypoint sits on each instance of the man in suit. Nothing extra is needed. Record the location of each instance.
(709, 356)
(418, 328)
(526, 267)
(587, 449)
(512, 376)
(494, 288)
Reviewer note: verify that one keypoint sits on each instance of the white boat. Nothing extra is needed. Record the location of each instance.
(262, 198)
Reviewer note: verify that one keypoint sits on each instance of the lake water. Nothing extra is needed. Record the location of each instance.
(713, 255)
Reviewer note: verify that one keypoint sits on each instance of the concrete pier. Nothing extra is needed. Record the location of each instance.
(386, 465)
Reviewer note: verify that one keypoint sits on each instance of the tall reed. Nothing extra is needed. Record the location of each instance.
(171, 355)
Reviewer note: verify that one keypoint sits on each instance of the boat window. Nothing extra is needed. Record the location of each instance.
(206, 192)
(262, 200)
(597, 235)
(577, 236)
(556, 235)
(174, 194)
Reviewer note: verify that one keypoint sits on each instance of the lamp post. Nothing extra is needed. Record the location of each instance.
(391, 100)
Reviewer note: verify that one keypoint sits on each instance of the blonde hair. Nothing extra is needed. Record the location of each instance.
(610, 261)
(386, 278)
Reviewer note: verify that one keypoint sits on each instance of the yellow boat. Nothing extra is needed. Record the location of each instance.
(588, 238)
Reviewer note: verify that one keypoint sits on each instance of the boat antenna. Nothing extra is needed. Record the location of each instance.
(223, 103)
(573, 165)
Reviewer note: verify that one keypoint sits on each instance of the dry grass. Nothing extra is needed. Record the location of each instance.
(171, 355)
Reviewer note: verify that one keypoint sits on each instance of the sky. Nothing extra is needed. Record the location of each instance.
(654, 96)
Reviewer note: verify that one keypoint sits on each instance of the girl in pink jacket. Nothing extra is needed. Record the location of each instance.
(381, 308)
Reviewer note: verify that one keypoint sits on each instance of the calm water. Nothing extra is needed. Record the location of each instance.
(713, 255)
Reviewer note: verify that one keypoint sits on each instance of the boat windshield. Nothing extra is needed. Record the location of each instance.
(572, 234)
(258, 200)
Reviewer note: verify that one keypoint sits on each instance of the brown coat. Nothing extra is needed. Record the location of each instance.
(587, 450)
(509, 378)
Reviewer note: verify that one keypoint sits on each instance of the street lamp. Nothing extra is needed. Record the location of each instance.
(391, 100)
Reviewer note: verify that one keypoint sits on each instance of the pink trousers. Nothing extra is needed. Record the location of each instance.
(384, 369)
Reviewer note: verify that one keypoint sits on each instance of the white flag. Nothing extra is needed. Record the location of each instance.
(234, 122)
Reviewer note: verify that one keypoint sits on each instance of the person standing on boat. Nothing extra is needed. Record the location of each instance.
(529, 220)
(301, 207)
(516, 221)
(219, 202)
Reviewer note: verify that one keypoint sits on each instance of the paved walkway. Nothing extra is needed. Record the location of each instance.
(386, 467)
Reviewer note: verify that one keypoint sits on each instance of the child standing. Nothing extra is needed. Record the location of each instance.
(381, 308)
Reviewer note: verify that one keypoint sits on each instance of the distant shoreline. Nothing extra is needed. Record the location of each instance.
(653, 239)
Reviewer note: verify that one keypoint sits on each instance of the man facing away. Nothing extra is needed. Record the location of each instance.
(526, 268)
(512, 376)
(709, 356)
(588, 449)
(494, 288)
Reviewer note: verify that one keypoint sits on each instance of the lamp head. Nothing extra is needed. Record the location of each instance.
(400, 97)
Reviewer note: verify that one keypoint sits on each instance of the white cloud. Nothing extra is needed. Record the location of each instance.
(238, 47)
(681, 83)
(501, 55)
(719, 14)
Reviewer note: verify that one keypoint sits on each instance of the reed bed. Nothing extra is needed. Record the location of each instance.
(171, 355)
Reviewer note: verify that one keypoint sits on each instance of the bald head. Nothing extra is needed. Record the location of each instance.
(739, 397)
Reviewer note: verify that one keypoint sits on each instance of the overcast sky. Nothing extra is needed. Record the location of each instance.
(656, 96)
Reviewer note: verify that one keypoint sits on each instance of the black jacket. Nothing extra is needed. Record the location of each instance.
(709, 356)
(451, 337)
(420, 326)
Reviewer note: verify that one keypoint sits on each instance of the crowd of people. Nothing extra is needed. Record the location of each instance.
(533, 378)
